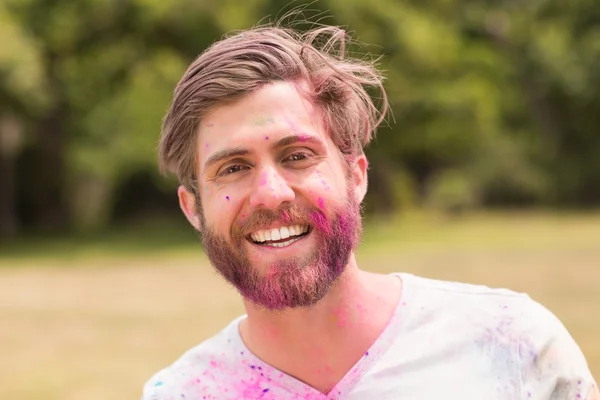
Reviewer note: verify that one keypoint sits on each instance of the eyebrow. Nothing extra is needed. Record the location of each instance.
(240, 151)
(224, 155)
(293, 139)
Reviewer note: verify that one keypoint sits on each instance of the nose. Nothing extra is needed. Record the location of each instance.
(271, 190)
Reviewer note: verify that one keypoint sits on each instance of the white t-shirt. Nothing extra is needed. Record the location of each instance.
(445, 340)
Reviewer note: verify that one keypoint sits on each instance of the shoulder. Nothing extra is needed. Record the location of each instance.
(551, 360)
(460, 298)
(194, 371)
(543, 354)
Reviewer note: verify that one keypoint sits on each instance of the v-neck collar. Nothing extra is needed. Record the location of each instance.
(300, 389)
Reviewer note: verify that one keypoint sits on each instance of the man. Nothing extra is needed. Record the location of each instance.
(266, 134)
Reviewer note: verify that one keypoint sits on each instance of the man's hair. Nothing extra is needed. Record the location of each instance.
(244, 62)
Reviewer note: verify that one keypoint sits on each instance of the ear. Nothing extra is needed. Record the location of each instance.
(187, 202)
(358, 172)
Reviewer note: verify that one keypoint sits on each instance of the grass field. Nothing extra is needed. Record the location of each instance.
(89, 323)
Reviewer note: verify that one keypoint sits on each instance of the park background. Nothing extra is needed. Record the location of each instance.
(488, 172)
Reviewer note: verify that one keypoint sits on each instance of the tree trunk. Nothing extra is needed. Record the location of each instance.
(50, 212)
(10, 141)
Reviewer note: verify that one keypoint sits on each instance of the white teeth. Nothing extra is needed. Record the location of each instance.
(278, 233)
(275, 235)
(283, 244)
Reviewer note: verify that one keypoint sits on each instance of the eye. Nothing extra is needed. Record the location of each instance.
(298, 156)
(232, 169)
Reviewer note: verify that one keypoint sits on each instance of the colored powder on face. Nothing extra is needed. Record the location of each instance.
(263, 181)
(227, 197)
(266, 138)
(207, 146)
(209, 125)
(264, 121)
(321, 203)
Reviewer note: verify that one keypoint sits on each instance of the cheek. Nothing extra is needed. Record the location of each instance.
(221, 208)
(321, 180)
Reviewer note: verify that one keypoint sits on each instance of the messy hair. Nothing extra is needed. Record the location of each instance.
(246, 61)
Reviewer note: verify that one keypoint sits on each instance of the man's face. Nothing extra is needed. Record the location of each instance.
(280, 211)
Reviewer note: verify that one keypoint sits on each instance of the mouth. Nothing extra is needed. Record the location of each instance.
(279, 237)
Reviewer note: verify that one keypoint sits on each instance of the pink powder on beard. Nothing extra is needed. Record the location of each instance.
(321, 203)
(320, 221)
(285, 216)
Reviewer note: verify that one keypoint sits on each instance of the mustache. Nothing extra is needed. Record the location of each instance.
(292, 214)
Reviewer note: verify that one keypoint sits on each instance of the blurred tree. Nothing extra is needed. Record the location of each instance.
(495, 101)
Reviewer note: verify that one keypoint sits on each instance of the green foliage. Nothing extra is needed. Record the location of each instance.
(495, 103)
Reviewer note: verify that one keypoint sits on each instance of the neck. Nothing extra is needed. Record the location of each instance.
(343, 324)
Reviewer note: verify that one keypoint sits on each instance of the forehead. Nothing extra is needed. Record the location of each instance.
(275, 109)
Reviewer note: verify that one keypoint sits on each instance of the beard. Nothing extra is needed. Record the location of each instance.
(298, 281)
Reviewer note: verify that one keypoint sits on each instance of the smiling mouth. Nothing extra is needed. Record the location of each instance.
(279, 237)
